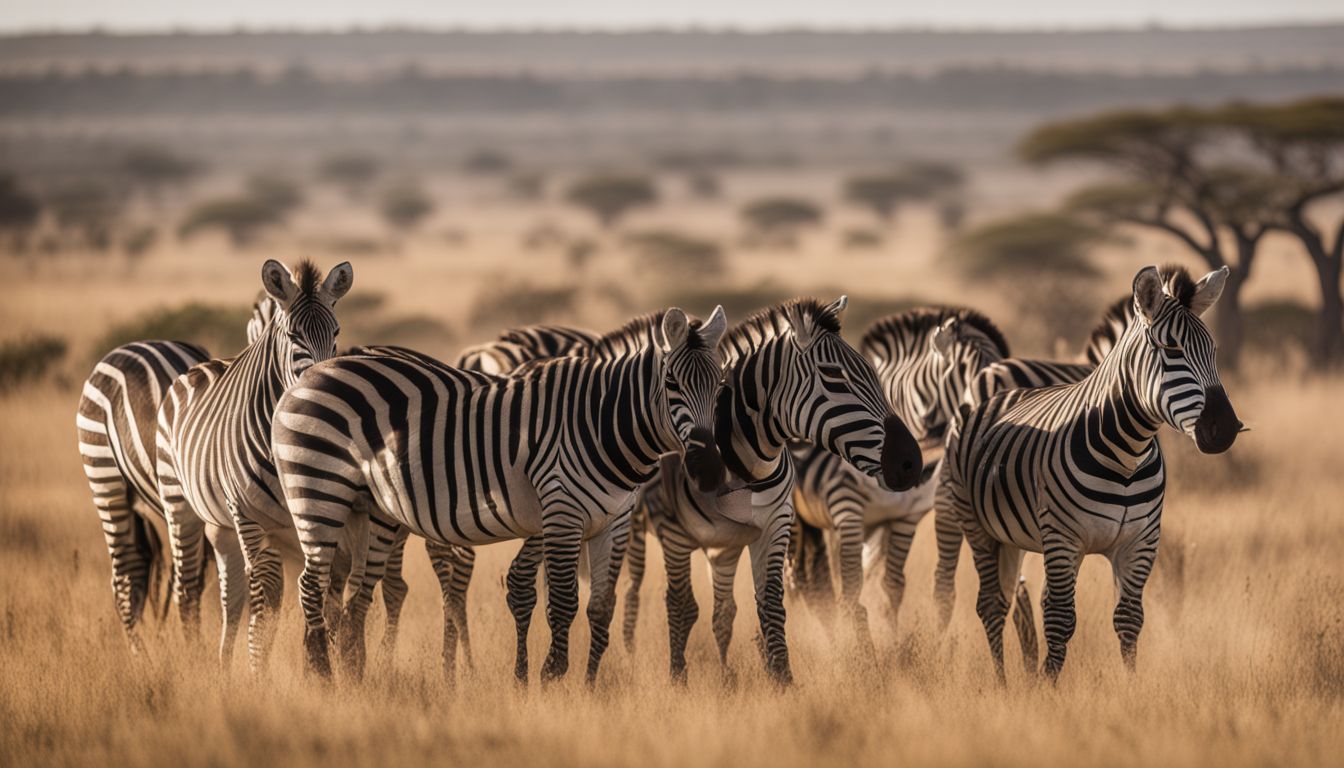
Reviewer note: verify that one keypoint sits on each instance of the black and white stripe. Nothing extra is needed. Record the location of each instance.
(213, 462)
(1076, 469)
(465, 458)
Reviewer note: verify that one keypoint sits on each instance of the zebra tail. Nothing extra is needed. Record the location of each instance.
(159, 590)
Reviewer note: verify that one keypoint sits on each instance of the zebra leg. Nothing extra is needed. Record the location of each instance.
(1062, 559)
(848, 520)
(1024, 621)
(768, 553)
(636, 557)
(900, 535)
(233, 587)
(560, 552)
(266, 585)
(453, 566)
(186, 540)
(722, 573)
(947, 525)
(992, 604)
(375, 538)
(394, 592)
(606, 551)
(457, 601)
(682, 610)
(1131, 568)
(522, 597)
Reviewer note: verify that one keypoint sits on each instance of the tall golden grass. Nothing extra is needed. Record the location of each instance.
(1241, 661)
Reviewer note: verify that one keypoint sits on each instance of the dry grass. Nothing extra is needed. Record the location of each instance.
(1241, 662)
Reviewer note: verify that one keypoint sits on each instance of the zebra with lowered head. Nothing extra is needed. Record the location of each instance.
(790, 376)
(116, 423)
(1076, 469)
(213, 459)
(466, 458)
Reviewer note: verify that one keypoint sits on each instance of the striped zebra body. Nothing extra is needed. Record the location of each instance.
(116, 422)
(465, 458)
(453, 565)
(1076, 469)
(789, 376)
(925, 358)
(215, 473)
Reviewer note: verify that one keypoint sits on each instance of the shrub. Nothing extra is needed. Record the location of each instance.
(29, 359)
(506, 304)
(779, 219)
(241, 218)
(487, 162)
(670, 251)
(154, 169)
(87, 209)
(527, 186)
(220, 329)
(278, 193)
(405, 206)
(609, 198)
(704, 185)
(19, 210)
(862, 239)
(352, 171)
(140, 241)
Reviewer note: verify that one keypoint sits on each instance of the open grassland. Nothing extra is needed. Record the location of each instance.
(1241, 661)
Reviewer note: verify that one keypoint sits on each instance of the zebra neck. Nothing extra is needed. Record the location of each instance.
(633, 426)
(750, 434)
(1118, 417)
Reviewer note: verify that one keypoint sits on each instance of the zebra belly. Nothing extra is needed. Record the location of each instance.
(486, 518)
(888, 506)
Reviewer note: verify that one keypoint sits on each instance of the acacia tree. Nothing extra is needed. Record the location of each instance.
(19, 211)
(154, 170)
(884, 193)
(778, 219)
(610, 197)
(352, 171)
(405, 205)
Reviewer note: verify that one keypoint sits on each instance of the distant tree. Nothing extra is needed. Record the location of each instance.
(676, 252)
(487, 162)
(154, 170)
(777, 220)
(241, 218)
(1043, 260)
(609, 197)
(351, 171)
(139, 241)
(952, 213)
(527, 186)
(283, 196)
(884, 193)
(19, 211)
(405, 205)
(704, 185)
(87, 210)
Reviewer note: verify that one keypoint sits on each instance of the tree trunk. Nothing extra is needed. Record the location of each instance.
(1328, 349)
(1228, 326)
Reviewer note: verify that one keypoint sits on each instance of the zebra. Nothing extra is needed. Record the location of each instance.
(214, 469)
(453, 565)
(115, 424)
(790, 376)
(1076, 469)
(467, 458)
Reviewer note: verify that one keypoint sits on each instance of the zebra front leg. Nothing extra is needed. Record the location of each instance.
(266, 585)
(606, 551)
(1131, 568)
(768, 553)
(722, 574)
(991, 605)
(1062, 559)
(1024, 620)
(682, 610)
(130, 563)
(636, 557)
(560, 551)
(233, 587)
(375, 537)
(848, 520)
(900, 535)
(522, 598)
(319, 523)
(394, 593)
(947, 527)
(450, 563)
(186, 543)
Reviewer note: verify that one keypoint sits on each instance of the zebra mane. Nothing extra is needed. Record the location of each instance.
(774, 321)
(1177, 283)
(923, 321)
(643, 331)
(309, 278)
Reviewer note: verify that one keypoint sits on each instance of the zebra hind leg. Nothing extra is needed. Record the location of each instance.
(561, 554)
(266, 584)
(1057, 608)
(991, 605)
(375, 537)
(723, 572)
(682, 610)
(948, 530)
(768, 553)
(636, 557)
(394, 594)
(522, 599)
(1024, 621)
(450, 563)
(606, 551)
(900, 536)
(233, 587)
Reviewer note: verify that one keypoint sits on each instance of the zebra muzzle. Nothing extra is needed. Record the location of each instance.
(902, 461)
(703, 462)
(1218, 426)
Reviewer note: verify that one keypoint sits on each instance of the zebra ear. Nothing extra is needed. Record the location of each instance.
(837, 309)
(675, 329)
(278, 282)
(945, 335)
(1148, 293)
(1208, 289)
(338, 281)
(712, 329)
(802, 329)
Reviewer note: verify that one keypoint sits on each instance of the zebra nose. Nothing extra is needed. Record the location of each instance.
(902, 460)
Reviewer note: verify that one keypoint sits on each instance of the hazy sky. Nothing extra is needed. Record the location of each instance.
(159, 14)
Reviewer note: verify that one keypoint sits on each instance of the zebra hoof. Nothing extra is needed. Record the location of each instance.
(554, 669)
(316, 653)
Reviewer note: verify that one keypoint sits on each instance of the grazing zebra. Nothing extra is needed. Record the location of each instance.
(1076, 469)
(215, 472)
(453, 565)
(466, 458)
(116, 423)
(790, 376)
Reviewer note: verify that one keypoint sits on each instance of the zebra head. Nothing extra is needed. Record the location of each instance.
(836, 401)
(1183, 385)
(304, 327)
(692, 374)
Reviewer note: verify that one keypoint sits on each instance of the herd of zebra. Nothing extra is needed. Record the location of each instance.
(774, 435)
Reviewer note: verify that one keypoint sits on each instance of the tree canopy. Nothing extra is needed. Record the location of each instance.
(1027, 246)
(610, 197)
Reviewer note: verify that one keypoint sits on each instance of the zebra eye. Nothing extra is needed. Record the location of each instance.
(1157, 342)
(833, 372)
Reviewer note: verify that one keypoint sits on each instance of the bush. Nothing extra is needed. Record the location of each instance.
(487, 162)
(352, 171)
(87, 209)
(528, 187)
(778, 219)
(241, 218)
(220, 329)
(19, 210)
(29, 359)
(1028, 246)
(670, 251)
(154, 169)
(140, 241)
(504, 305)
(278, 193)
(862, 239)
(609, 198)
(405, 206)
(704, 185)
